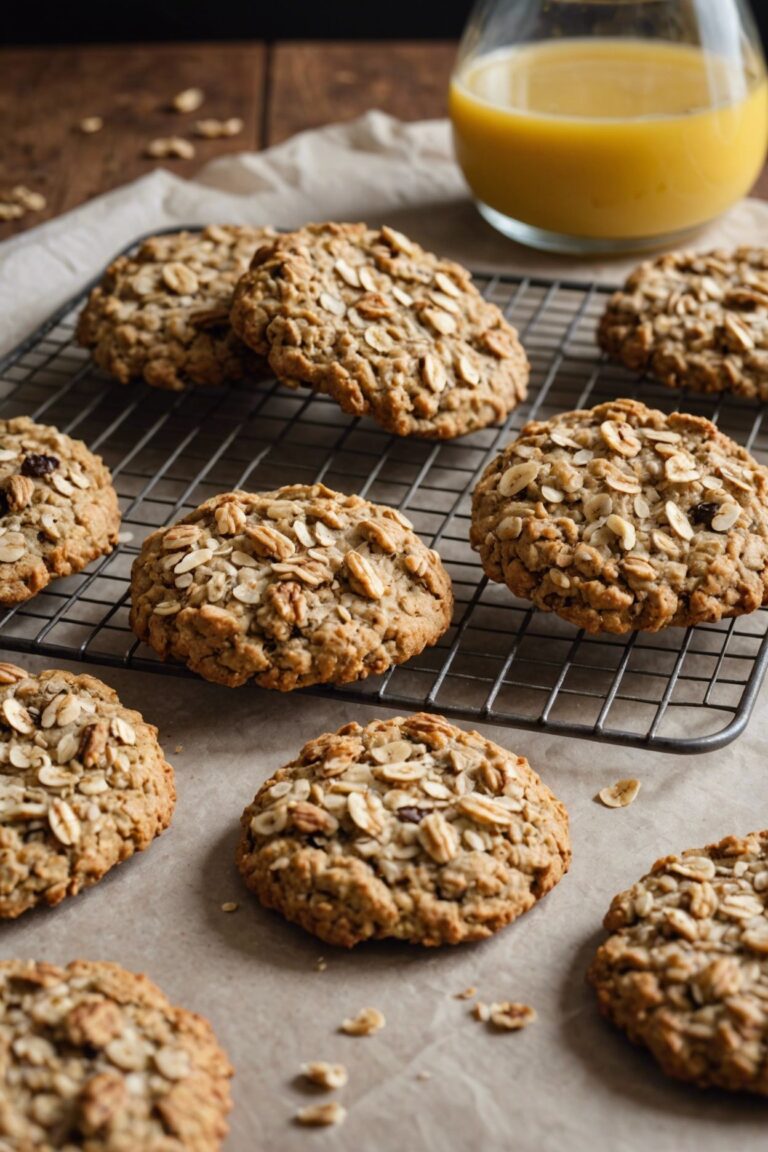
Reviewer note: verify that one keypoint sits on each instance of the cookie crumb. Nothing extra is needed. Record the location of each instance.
(423, 1075)
(188, 101)
(179, 748)
(230, 906)
(481, 1012)
(366, 1023)
(325, 1075)
(90, 124)
(511, 1016)
(620, 794)
(170, 147)
(321, 1115)
(321, 964)
(467, 994)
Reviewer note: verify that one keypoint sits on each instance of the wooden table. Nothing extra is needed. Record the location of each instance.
(275, 89)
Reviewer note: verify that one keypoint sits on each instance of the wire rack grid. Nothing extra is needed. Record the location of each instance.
(501, 661)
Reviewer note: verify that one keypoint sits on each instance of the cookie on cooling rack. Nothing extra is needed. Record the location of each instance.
(621, 518)
(83, 785)
(388, 330)
(294, 587)
(58, 509)
(97, 1058)
(697, 321)
(409, 828)
(684, 971)
(163, 313)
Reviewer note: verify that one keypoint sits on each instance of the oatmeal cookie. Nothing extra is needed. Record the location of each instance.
(685, 969)
(294, 587)
(83, 785)
(622, 518)
(163, 313)
(97, 1059)
(58, 509)
(695, 321)
(385, 328)
(409, 828)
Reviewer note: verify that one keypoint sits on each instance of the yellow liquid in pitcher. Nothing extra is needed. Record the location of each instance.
(609, 138)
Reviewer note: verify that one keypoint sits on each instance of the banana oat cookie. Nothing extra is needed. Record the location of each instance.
(97, 1059)
(162, 314)
(294, 587)
(685, 969)
(83, 785)
(58, 509)
(385, 328)
(621, 518)
(408, 828)
(695, 321)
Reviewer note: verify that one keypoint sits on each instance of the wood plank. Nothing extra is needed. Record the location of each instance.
(44, 92)
(316, 83)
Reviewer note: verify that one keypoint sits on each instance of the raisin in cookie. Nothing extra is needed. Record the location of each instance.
(695, 321)
(409, 828)
(97, 1059)
(83, 785)
(294, 587)
(685, 969)
(385, 328)
(163, 313)
(621, 518)
(58, 509)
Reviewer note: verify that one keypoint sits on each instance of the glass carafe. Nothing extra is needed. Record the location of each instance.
(608, 125)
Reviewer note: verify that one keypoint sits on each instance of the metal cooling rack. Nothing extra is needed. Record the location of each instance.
(501, 661)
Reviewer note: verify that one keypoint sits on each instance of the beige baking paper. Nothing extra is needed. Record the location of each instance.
(569, 1083)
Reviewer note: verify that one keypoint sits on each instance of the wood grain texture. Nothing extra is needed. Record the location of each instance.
(316, 83)
(45, 92)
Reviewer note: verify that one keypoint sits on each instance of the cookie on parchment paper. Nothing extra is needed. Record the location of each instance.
(409, 828)
(83, 785)
(58, 509)
(163, 313)
(386, 329)
(684, 971)
(294, 587)
(621, 518)
(697, 321)
(97, 1059)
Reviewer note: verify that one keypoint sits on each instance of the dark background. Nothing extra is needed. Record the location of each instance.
(122, 20)
(24, 22)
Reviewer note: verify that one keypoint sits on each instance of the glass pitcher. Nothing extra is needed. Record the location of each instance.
(591, 126)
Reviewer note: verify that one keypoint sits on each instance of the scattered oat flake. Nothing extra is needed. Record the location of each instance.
(367, 1021)
(124, 537)
(325, 1075)
(322, 1115)
(230, 906)
(321, 964)
(211, 129)
(620, 794)
(423, 1075)
(90, 124)
(179, 748)
(466, 994)
(166, 147)
(189, 100)
(481, 1012)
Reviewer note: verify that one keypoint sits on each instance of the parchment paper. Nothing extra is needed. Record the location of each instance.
(569, 1083)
